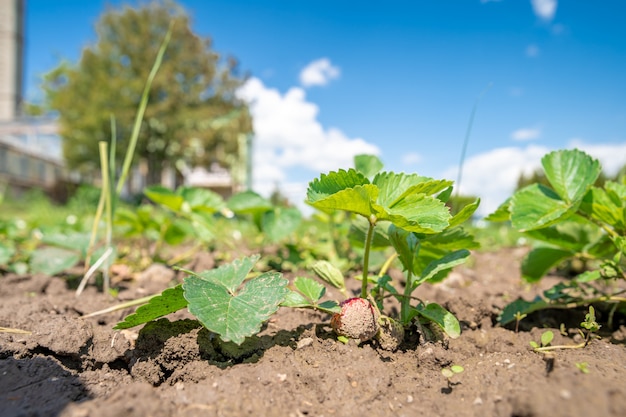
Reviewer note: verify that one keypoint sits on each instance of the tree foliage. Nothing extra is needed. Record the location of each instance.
(193, 115)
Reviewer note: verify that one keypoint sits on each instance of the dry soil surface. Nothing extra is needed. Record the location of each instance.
(75, 367)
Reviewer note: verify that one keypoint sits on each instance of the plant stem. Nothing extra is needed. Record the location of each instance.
(548, 348)
(366, 255)
(405, 303)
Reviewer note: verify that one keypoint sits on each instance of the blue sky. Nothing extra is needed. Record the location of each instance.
(330, 79)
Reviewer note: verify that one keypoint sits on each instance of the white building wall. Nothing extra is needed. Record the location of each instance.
(11, 57)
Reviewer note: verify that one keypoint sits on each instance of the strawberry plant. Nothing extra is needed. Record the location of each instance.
(571, 219)
(407, 212)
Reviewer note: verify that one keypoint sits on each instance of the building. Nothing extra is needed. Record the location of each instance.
(11, 58)
(30, 155)
(30, 148)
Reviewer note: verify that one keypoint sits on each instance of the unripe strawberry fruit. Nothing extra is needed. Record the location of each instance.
(358, 319)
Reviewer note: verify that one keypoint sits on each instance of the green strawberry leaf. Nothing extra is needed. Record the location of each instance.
(248, 202)
(537, 206)
(571, 173)
(439, 268)
(280, 222)
(201, 199)
(165, 197)
(310, 288)
(368, 165)
(227, 306)
(541, 260)
(437, 314)
(51, 260)
(169, 301)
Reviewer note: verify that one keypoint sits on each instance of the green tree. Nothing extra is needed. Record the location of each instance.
(193, 115)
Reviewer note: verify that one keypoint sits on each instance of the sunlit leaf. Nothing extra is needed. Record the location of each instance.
(229, 308)
(248, 202)
(169, 301)
(464, 214)
(368, 165)
(164, 196)
(537, 206)
(310, 288)
(571, 173)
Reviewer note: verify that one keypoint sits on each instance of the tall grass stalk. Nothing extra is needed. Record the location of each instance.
(466, 141)
(109, 196)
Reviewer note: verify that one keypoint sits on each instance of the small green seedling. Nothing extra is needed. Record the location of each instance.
(546, 339)
(519, 317)
(590, 325)
(583, 367)
(449, 373)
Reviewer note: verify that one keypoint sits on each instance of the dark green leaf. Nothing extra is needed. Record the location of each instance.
(438, 269)
(406, 245)
(169, 301)
(521, 306)
(437, 314)
(540, 261)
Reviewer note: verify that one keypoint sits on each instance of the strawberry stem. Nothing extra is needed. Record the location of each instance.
(366, 255)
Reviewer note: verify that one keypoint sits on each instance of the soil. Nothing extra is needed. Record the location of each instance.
(76, 367)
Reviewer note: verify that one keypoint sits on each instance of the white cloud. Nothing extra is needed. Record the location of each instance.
(493, 175)
(532, 51)
(526, 134)
(289, 140)
(611, 156)
(544, 9)
(319, 72)
(411, 158)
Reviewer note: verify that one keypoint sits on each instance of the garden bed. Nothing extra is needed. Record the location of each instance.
(70, 366)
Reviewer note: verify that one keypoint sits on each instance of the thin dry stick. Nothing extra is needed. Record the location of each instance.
(121, 306)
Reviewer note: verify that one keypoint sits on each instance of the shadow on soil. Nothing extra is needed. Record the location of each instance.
(37, 387)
